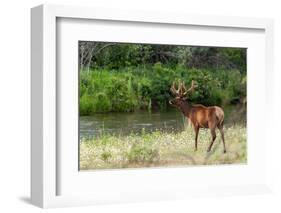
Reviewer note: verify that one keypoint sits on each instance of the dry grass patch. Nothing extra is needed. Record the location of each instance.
(160, 149)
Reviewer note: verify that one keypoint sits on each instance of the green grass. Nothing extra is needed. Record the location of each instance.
(159, 149)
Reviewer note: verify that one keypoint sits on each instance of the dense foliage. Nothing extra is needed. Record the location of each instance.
(130, 77)
(132, 89)
(118, 55)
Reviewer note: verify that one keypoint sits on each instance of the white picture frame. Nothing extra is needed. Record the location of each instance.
(46, 169)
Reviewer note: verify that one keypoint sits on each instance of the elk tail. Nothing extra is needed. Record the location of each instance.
(222, 120)
(220, 115)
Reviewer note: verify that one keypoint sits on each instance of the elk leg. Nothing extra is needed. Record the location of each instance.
(222, 137)
(213, 132)
(196, 129)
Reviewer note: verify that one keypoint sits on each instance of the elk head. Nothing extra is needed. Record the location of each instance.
(180, 93)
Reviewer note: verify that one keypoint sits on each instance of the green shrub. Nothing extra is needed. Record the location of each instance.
(86, 106)
(146, 88)
(140, 153)
(101, 103)
(105, 156)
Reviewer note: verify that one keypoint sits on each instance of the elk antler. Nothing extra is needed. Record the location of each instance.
(191, 89)
(173, 89)
(183, 88)
(181, 91)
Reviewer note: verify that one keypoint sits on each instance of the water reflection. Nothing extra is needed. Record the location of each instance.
(137, 122)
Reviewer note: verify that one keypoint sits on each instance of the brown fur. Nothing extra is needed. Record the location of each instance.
(201, 117)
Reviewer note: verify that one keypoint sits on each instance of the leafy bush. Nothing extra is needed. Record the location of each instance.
(101, 103)
(105, 156)
(86, 104)
(146, 88)
(140, 153)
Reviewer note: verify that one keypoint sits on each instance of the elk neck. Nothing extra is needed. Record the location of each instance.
(185, 108)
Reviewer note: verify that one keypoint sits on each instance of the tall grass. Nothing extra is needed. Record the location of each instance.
(135, 88)
(162, 149)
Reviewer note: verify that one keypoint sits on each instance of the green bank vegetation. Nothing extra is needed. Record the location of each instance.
(118, 77)
(132, 89)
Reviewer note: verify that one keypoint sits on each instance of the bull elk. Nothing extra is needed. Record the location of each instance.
(200, 116)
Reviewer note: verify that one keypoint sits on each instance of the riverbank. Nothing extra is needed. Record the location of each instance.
(160, 149)
(148, 88)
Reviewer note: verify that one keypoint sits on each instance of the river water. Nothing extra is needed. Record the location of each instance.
(144, 121)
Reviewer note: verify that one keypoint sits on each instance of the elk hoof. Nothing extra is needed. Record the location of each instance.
(195, 149)
(224, 151)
